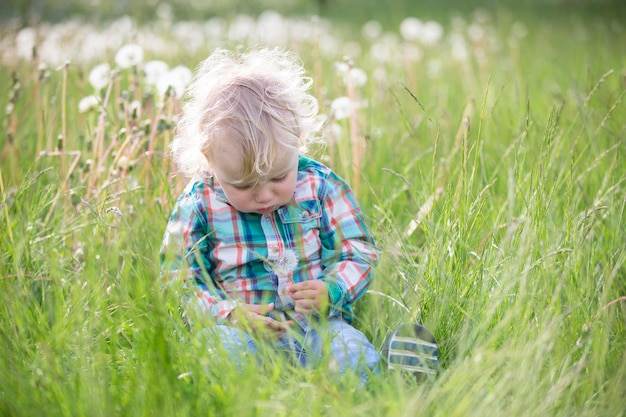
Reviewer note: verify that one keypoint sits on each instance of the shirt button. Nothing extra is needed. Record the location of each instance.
(305, 214)
(274, 249)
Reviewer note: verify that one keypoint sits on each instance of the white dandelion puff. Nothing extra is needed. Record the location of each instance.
(88, 103)
(286, 263)
(129, 55)
(153, 70)
(100, 76)
(25, 41)
(358, 76)
(342, 107)
(372, 29)
(335, 131)
(411, 28)
(459, 49)
(177, 79)
(341, 67)
(476, 32)
(431, 33)
(412, 53)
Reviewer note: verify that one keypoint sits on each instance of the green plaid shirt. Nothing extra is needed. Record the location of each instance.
(231, 257)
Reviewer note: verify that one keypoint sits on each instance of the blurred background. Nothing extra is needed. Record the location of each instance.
(388, 12)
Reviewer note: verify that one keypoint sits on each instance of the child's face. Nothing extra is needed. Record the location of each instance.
(272, 191)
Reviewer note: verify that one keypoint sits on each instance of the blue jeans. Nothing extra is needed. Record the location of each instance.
(332, 341)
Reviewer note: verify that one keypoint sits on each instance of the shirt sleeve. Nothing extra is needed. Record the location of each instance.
(185, 266)
(349, 253)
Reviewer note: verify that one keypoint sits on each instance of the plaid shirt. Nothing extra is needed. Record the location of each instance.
(234, 257)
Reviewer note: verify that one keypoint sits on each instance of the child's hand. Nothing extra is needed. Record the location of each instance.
(253, 317)
(310, 297)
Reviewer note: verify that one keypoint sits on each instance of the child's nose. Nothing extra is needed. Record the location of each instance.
(263, 194)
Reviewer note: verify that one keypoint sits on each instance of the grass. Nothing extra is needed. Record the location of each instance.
(495, 187)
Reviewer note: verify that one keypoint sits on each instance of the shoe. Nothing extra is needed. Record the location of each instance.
(412, 348)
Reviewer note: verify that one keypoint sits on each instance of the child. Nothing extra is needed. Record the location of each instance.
(273, 244)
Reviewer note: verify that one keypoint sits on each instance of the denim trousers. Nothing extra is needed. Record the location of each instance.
(333, 342)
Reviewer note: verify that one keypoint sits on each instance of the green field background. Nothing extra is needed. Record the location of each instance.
(492, 172)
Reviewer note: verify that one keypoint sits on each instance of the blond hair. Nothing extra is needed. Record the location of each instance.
(259, 100)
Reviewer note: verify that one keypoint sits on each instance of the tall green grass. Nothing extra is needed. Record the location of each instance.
(496, 191)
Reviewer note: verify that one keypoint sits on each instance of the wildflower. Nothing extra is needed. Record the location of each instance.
(358, 76)
(341, 67)
(88, 103)
(214, 28)
(25, 42)
(129, 55)
(379, 52)
(123, 163)
(342, 107)
(334, 131)
(385, 49)
(241, 28)
(411, 28)
(287, 263)
(271, 28)
(134, 109)
(177, 79)
(459, 48)
(154, 70)
(412, 53)
(100, 76)
(431, 33)
(372, 29)
(476, 32)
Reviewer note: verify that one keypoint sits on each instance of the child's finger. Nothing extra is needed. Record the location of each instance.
(304, 295)
(304, 306)
(260, 309)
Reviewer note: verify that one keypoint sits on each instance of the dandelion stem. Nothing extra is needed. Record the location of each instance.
(63, 121)
(5, 208)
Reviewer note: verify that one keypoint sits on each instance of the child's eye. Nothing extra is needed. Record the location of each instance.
(280, 179)
(242, 186)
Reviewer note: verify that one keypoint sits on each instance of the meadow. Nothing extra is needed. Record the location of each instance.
(486, 146)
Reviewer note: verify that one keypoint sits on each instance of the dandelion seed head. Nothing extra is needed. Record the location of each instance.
(342, 107)
(341, 67)
(476, 32)
(241, 28)
(458, 48)
(214, 28)
(123, 163)
(301, 31)
(372, 29)
(100, 76)
(358, 77)
(25, 42)
(286, 263)
(379, 52)
(335, 131)
(431, 33)
(411, 28)
(129, 55)
(153, 70)
(88, 103)
(412, 53)
(380, 74)
(178, 79)
(271, 28)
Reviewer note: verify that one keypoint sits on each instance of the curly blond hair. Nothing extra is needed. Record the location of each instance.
(259, 100)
